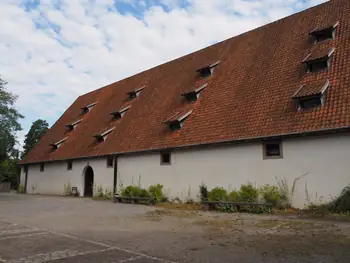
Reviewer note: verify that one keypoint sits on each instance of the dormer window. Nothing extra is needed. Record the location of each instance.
(87, 108)
(58, 144)
(324, 33)
(318, 61)
(207, 70)
(176, 122)
(193, 95)
(119, 114)
(103, 135)
(311, 95)
(135, 93)
(73, 125)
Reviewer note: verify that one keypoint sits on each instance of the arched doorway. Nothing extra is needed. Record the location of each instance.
(88, 182)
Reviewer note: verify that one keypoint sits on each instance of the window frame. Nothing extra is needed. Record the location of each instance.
(42, 167)
(108, 164)
(324, 34)
(162, 154)
(69, 165)
(269, 142)
(305, 103)
(314, 66)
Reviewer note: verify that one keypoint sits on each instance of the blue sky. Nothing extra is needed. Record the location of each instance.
(52, 51)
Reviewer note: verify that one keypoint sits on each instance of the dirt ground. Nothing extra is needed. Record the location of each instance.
(46, 229)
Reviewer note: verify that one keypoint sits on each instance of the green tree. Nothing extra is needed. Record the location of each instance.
(9, 125)
(37, 130)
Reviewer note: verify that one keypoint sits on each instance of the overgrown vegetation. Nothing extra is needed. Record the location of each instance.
(278, 196)
(132, 191)
(67, 189)
(286, 192)
(100, 193)
(155, 191)
(203, 192)
(218, 194)
(247, 193)
(342, 203)
(271, 195)
(234, 196)
(21, 189)
(339, 205)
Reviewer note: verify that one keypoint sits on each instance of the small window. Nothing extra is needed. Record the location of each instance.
(58, 144)
(272, 150)
(318, 65)
(119, 114)
(310, 102)
(135, 93)
(103, 135)
(193, 95)
(311, 95)
(87, 108)
(41, 167)
(206, 71)
(73, 125)
(69, 165)
(325, 33)
(110, 162)
(165, 158)
(318, 61)
(177, 121)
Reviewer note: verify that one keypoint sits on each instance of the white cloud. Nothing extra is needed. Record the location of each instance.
(50, 56)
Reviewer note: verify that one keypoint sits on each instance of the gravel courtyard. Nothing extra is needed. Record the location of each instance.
(44, 229)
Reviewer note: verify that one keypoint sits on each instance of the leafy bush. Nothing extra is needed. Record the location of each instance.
(99, 192)
(217, 194)
(227, 208)
(156, 191)
(270, 194)
(108, 194)
(131, 191)
(342, 203)
(248, 193)
(234, 196)
(203, 191)
(144, 193)
(21, 189)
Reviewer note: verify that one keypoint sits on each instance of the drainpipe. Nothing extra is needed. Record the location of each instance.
(115, 174)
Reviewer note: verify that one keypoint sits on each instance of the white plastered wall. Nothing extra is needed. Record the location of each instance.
(55, 175)
(325, 160)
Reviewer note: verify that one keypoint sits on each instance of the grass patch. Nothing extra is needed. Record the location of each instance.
(159, 214)
(185, 207)
(282, 224)
(218, 224)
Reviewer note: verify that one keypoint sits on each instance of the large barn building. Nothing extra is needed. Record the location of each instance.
(270, 103)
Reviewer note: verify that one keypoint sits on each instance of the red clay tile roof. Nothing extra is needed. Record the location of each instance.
(317, 87)
(248, 96)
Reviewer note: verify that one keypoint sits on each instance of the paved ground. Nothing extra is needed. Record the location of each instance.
(48, 229)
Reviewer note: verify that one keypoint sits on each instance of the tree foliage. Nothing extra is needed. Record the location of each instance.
(9, 125)
(37, 130)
